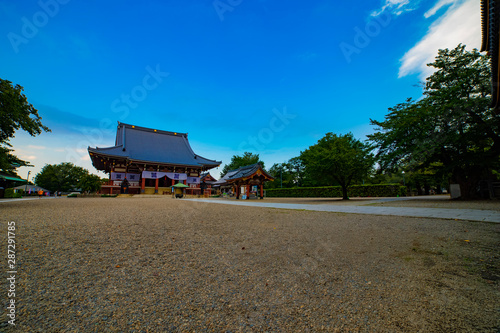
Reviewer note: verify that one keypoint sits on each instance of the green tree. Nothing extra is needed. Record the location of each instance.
(61, 177)
(15, 113)
(451, 129)
(239, 161)
(283, 175)
(338, 158)
(90, 183)
(288, 174)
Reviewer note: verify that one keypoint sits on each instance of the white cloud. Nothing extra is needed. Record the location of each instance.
(440, 4)
(459, 24)
(396, 7)
(28, 158)
(36, 147)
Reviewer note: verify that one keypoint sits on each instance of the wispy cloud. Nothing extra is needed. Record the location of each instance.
(440, 4)
(396, 7)
(25, 154)
(36, 147)
(459, 24)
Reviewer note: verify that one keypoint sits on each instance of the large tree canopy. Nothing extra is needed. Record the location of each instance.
(239, 161)
(338, 159)
(62, 177)
(15, 113)
(451, 129)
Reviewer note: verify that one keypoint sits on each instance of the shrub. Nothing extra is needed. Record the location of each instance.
(382, 190)
(9, 193)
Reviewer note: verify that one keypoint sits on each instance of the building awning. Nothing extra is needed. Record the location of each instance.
(180, 185)
(12, 178)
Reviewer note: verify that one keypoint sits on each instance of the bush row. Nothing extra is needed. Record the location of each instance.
(388, 190)
(9, 193)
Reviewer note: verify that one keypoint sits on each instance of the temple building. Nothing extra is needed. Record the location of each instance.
(150, 160)
(245, 181)
(490, 24)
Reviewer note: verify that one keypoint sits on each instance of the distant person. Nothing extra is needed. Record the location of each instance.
(40, 194)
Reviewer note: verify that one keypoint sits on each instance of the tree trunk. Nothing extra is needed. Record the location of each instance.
(419, 188)
(344, 192)
(468, 182)
(427, 188)
(438, 189)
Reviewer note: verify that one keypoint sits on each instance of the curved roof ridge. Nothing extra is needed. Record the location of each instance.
(147, 129)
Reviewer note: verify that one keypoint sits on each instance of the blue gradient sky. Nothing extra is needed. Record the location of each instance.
(237, 75)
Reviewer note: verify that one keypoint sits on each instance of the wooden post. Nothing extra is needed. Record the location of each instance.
(248, 191)
(237, 191)
(143, 185)
(156, 185)
(261, 192)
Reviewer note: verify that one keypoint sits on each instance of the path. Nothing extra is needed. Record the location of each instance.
(441, 213)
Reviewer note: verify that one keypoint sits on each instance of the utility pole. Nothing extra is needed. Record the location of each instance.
(281, 176)
(27, 179)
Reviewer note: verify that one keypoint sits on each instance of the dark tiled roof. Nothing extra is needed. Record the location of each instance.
(149, 145)
(242, 172)
(208, 176)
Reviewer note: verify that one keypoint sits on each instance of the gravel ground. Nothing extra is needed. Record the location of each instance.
(166, 265)
(433, 201)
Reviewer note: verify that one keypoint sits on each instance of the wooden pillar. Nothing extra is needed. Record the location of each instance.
(156, 185)
(237, 191)
(248, 191)
(261, 191)
(143, 185)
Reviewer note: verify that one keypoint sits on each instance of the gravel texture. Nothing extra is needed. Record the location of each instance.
(433, 201)
(166, 265)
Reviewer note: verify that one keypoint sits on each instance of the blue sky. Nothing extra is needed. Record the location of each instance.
(264, 76)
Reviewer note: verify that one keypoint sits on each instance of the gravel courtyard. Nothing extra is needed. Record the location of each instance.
(165, 265)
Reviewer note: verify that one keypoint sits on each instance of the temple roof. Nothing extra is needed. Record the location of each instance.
(243, 172)
(141, 144)
(490, 24)
(207, 177)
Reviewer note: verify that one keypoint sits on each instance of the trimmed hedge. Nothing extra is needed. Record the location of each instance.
(9, 193)
(387, 190)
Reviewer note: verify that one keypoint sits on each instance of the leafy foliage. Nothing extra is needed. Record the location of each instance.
(239, 161)
(61, 177)
(451, 131)
(90, 183)
(287, 174)
(338, 158)
(9, 193)
(15, 113)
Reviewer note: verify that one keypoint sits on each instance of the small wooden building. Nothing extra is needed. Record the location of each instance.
(151, 161)
(246, 180)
